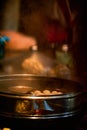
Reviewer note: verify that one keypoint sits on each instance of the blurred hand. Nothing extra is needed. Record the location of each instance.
(18, 41)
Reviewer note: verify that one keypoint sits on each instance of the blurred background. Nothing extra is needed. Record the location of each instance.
(52, 23)
(39, 18)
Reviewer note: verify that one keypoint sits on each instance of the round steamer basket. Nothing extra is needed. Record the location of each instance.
(34, 99)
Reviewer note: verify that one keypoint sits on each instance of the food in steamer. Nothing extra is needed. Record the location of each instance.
(46, 92)
(29, 90)
(39, 106)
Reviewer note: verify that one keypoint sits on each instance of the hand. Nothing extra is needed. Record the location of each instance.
(18, 41)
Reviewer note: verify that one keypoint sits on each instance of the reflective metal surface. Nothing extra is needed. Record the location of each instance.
(17, 91)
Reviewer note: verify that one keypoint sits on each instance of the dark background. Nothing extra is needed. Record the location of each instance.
(29, 17)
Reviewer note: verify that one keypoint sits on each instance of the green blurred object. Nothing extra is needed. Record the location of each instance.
(64, 58)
